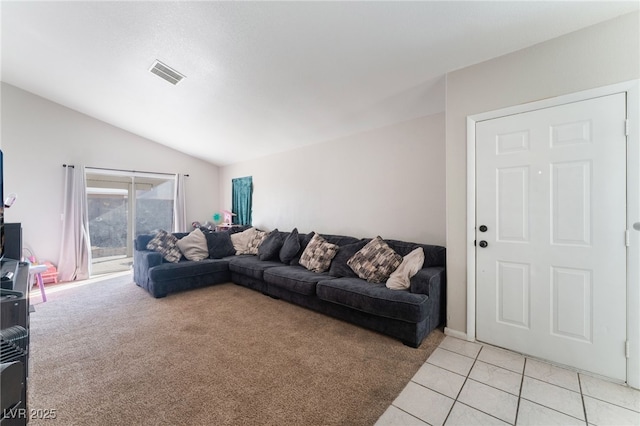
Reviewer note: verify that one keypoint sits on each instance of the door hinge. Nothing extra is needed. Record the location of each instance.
(627, 238)
(627, 349)
(626, 127)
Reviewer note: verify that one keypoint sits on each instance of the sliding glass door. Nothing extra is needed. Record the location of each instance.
(122, 205)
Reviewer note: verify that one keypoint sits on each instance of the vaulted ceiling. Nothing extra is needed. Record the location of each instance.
(264, 77)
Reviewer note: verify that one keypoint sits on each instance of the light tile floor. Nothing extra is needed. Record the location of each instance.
(465, 383)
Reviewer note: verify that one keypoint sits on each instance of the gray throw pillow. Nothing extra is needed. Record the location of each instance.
(375, 261)
(304, 240)
(219, 245)
(270, 247)
(290, 247)
(165, 244)
(339, 267)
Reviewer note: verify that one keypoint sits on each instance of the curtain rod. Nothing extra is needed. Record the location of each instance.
(121, 170)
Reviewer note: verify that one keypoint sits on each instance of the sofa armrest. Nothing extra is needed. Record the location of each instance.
(143, 260)
(426, 279)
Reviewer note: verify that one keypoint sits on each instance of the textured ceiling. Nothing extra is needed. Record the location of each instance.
(264, 77)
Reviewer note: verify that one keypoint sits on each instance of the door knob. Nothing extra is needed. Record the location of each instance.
(483, 243)
(483, 228)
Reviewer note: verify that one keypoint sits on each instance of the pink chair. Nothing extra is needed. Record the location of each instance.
(37, 270)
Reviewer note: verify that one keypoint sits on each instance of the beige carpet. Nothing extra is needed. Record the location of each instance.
(108, 353)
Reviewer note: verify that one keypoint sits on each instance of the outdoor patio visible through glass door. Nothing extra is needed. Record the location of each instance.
(122, 205)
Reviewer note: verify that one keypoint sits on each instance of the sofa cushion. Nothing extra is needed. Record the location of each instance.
(400, 279)
(294, 278)
(375, 261)
(270, 247)
(318, 254)
(251, 266)
(219, 245)
(374, 299)
(290, 247)
(194, 246)
(165, 244)
(187, 269)
(339, 267)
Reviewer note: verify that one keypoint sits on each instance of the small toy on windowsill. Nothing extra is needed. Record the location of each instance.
(227, 217)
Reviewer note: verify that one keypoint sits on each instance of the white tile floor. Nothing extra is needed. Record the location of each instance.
(464, 383)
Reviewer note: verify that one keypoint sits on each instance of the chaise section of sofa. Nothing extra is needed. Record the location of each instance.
(160, 278)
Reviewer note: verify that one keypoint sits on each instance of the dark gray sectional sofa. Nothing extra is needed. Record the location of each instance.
(408, 315)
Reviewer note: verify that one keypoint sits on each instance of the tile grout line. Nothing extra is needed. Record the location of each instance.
(552, 409)
(487, 414)
(524, 368)
(461, 387)
(406, 412)
(557, 386)
(554, 385)
(584, 406)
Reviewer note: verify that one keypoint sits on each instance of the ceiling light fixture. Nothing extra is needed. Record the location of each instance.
(166, 72)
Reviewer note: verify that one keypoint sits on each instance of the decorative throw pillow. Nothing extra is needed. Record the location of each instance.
(290, 247)
(165, 244)
(304, 240)
(339, 267)
(318, 254)
(254, 243)
(194, 246)
(219, 245)
(400, 279)
(375, 261)
(241, 240)
(270, 247)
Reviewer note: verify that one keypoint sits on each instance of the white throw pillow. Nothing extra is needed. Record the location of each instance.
(194, 246)
(400, 278)
(242, 239)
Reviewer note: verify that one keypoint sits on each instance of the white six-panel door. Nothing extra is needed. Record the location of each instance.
(551, 192)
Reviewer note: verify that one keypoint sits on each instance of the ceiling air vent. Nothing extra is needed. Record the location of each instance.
(166, 73)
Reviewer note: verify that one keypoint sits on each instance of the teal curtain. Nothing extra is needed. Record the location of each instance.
(242, 190)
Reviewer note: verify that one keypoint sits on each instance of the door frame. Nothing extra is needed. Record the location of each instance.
(632, 89)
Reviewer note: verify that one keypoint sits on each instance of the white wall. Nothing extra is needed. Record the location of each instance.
(387, 182)
(596, 56)
(38, 136)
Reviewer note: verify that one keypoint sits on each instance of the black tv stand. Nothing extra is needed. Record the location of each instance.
(14, 317)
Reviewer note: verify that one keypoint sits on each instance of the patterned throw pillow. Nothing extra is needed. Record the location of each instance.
(254, 243)
(167, 245)
(375, 261)
(318, 254)
(241, 240)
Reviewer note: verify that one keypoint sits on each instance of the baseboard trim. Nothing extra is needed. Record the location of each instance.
(457, 334)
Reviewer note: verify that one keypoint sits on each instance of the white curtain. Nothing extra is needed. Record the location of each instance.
(75, 248)
(179, 208)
